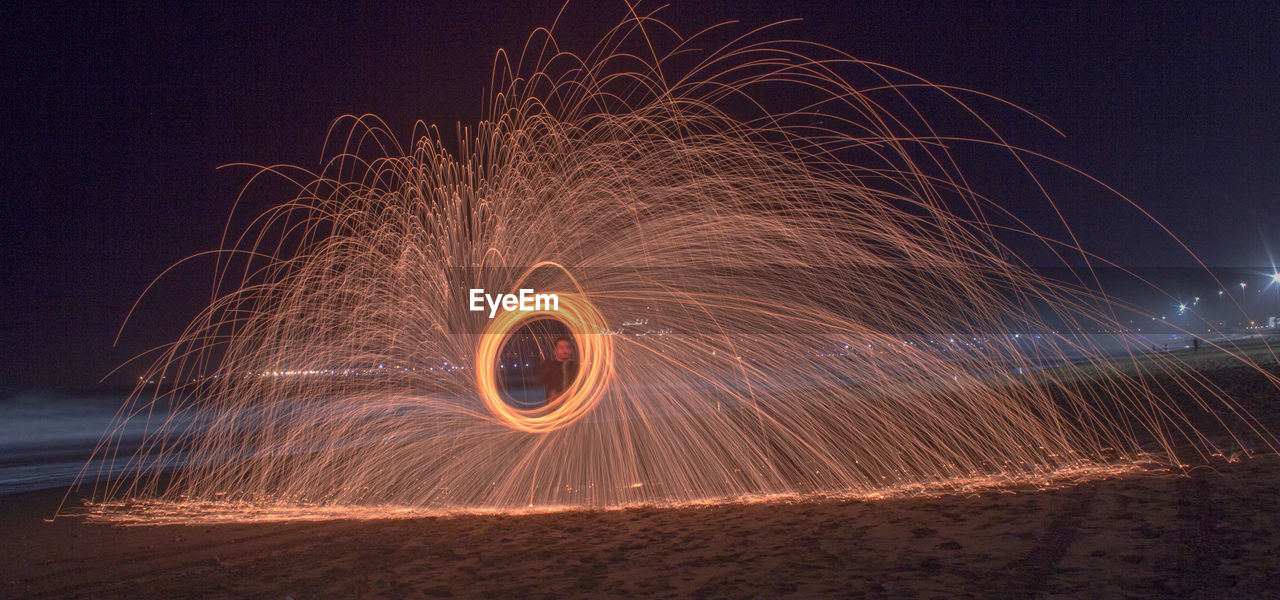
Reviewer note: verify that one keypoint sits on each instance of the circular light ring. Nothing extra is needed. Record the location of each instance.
(595, 359)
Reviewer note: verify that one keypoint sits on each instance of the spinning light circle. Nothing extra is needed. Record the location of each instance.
(595, 352)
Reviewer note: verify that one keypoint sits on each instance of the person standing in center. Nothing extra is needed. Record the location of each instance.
(558, 374)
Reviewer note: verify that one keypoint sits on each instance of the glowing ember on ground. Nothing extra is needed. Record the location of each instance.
(175, 512)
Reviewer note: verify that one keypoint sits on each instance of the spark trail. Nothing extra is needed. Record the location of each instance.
(786, 252)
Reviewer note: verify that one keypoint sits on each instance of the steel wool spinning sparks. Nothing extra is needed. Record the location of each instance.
(787, 237)
(576, 311)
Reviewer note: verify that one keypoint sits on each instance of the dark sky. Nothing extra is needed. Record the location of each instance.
(116, 122)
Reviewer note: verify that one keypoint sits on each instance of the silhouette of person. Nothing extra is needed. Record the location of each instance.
(558, 374)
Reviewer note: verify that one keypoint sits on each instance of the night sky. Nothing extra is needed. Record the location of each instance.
(116, 124)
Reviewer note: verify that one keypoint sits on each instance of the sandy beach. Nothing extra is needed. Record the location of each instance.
(1212, 532)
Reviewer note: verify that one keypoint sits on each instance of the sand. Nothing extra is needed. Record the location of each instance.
(1213, 532)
